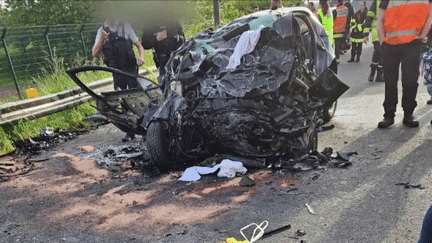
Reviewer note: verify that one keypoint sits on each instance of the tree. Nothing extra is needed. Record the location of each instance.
(48, 12)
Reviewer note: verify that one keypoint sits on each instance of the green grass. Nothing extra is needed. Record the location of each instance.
(71, 118)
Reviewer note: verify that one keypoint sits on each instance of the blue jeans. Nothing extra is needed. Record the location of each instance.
(426, 231)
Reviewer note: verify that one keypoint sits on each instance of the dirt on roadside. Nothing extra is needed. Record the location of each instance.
(70, 192)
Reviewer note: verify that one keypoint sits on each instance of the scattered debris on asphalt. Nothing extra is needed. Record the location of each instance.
(310, 209)
(246, 181)
(276, 231)
(410, 185)
(324, 128)
(227, 168)
(47, 139)
(12, 167)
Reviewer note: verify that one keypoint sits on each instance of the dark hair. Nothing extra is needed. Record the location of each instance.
(324, 6)
(340, 1)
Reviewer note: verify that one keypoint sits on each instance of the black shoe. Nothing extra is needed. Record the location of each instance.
(372, 73)
(380, 75)
(352, 58)
(386, 122)
(409, 121)
(429, 102)
(357, 59)
(128, 137)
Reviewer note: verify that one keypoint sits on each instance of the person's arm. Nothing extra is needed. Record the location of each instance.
(428, 23)
(380, 25)
(347, 25)
(132, 37)
(101, 36)
(141, 52)
(371, 13)
(149, 40)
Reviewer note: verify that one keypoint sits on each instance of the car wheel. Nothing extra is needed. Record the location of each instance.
(157, 144)
(329, 114)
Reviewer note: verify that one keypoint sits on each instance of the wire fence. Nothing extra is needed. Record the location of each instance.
(27, 52)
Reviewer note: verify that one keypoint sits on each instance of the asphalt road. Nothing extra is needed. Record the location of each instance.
(69, 201)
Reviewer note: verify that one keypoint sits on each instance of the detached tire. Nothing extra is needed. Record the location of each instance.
(157, 144)
(328, 115)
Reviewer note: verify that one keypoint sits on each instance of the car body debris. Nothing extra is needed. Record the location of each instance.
(47, 139)
(310, 209)
(410, 185)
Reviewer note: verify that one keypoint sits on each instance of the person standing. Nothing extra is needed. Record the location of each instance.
(340, 27)
(326, 19)
(401, 27)
(357, 33)
(371, 24)
(164, 37)
(115, 39)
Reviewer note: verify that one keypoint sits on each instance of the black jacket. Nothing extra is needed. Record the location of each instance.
(163, 49)
(357, 23)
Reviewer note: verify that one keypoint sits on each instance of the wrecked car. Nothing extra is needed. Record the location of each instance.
(257, 88)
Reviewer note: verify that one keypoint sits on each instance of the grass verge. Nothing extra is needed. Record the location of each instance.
(71, 118)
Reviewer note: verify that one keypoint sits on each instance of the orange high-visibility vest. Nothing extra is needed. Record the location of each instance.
(339, 25)
(404, 20)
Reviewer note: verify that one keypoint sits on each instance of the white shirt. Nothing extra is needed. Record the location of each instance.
(129, 33)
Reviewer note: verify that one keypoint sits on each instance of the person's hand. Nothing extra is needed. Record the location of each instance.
(161, 35)
(366, 39)
(140, 61)
(104, 35)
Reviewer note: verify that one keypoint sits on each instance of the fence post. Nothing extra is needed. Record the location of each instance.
(10, 62)
(82, 39)
(48, 43)
(216, 13)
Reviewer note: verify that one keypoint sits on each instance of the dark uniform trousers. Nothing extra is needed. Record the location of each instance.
(393, 55)
(376, 57)
(338, 42)
(125, 82)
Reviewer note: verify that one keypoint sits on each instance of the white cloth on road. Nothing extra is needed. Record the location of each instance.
(227, 168)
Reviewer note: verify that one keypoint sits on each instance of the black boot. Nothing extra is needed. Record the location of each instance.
(380, 75)
(352, 57)
(386, 122)
(358, 58)
(409, 121)
(372, 73)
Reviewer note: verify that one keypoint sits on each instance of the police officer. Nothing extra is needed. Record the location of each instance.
(341, 27)
(401, 27)
(371, 24)
(357, 33)
(115, 39)
(164, 37)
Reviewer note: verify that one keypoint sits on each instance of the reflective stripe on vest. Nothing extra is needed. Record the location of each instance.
(402, 33)
(404, 20)
(341, 19)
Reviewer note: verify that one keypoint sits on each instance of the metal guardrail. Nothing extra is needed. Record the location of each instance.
(49, 104)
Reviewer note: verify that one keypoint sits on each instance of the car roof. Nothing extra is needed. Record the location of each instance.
(281, 11)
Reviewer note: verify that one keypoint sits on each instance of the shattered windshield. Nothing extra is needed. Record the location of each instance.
(251, 55)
